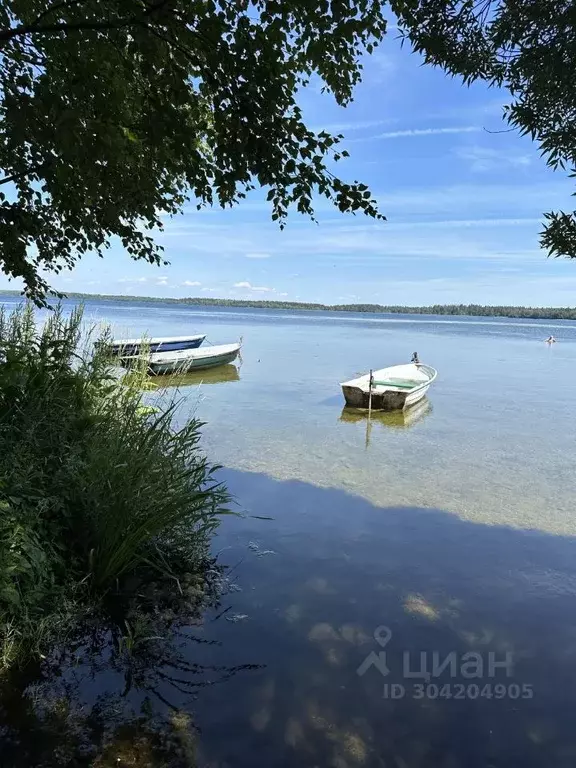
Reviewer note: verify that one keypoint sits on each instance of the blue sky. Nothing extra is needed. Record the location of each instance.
(464, 208)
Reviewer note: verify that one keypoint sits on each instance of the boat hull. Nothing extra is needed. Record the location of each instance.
(394, 388)
(382, 401)
(131, 348)
(162, 368)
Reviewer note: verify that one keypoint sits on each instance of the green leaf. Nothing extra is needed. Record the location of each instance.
(112, 119)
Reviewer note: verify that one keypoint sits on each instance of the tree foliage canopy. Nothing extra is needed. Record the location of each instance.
(525, 46)
(114, 111)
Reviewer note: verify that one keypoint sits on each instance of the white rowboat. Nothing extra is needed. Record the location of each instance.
(192, 359)
(389, 389)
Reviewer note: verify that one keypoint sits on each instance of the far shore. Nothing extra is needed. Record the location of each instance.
(469, 310)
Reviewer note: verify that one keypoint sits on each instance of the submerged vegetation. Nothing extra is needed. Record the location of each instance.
(106, 510)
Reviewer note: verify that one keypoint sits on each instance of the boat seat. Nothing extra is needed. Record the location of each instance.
(400, 383)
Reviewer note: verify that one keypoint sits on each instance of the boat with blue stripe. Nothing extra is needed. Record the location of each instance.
(130, 347)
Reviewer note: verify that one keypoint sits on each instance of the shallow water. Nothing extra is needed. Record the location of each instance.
(452, 526)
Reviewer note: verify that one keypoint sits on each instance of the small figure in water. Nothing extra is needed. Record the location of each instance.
(550, 340)
(415, 358)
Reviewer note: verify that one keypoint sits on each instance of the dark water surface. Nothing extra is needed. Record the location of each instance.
(422, 538)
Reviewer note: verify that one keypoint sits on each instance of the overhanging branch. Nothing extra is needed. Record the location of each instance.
(78, 26)
(23, 174)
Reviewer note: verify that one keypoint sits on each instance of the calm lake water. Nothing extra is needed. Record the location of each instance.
(450, 530)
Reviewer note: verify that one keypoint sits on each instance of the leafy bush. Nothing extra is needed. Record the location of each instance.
(96, 493)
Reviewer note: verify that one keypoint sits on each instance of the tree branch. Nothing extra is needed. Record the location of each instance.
(8, 179)
(55, 8)
(27, 172)
(78, 26)
(505, 130)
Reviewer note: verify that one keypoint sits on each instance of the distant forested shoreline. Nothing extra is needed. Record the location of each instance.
(471, 310)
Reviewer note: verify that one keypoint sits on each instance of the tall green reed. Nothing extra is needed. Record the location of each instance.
(95, 491)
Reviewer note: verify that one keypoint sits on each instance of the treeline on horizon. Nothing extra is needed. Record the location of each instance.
(470, 310)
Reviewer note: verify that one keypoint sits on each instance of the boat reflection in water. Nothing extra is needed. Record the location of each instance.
(390, 419)
(218, 375)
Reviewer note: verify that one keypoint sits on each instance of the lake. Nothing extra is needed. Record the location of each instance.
(404, 586)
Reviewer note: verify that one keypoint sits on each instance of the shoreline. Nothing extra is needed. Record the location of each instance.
(446, 310)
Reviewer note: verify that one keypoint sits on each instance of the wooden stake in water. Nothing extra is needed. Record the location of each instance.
(370, 394)
(369, 421)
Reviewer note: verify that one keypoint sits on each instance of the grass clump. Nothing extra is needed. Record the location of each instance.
(99, 497)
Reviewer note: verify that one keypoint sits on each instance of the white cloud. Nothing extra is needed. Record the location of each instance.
(367, 244)
(351, 126)
(382, 66)
(191, 283)
(484, 159)
(493, 108)
(484, 287)
(132, 280)
(498, 221)
(467, 223)
(257, 255)
(257, 288)
(412, 132)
